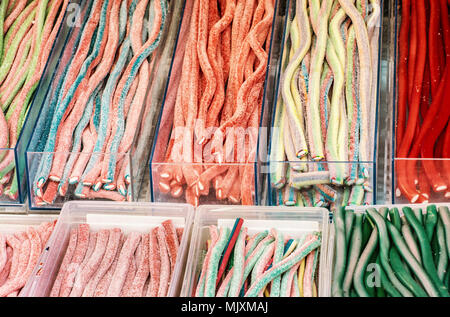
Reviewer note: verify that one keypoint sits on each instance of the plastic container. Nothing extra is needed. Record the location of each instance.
(158, 161)
(292, 221)
(362, 210)
(278, 170)
(429, 172)
(10, 224)
(17, 167)
(137, 157)
(138, 217)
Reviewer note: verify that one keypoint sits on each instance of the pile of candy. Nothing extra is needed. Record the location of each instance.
(19, 253)
(267, 263)
(91, 115)
(404, 255)
(219, 95)
(106, 263)
(27, 32)
(326, 110)
(423, 114)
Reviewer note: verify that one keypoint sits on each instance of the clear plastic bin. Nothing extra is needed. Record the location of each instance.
(292, 221)
(362, 210)
(10, 224)
(139, 217)
(429, 178)
(280, 168)
(13, 189)
(135, 161)
(253, 166)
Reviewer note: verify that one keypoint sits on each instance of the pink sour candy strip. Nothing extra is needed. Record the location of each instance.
(3, 254)
(88, 146)
(90, 249)
(91, 262)
(77, 259)
(131, 274)
(15, 244)
(143, 268)
(18, 8)
(106, 261)
(155, 264)
(123, 263)
(105, 281)
(308, 279)
(165, 263)
(172, 242)
(65, 263)
(5, 273)
(32, 249)
(145, 290)
(22, 19)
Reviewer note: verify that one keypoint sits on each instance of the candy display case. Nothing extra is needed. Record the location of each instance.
(129, 217)
(15, 224)
(49, 190)
(292, 222)
(13, 190)
(420, 154)
(218, 169)
(354, 252)
(325, 153)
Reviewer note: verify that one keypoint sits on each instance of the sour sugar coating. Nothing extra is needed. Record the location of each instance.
(65, 263)
(105, 281)
(92, 264)
(143, 269)
(302, 251)
(172, 242)
(165, 273)
(118, 278)
(75, 262)
(154, 265)
(3, 254)
(106, 261)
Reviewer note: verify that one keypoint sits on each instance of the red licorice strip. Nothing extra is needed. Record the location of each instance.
(412, 58)
(408, 191)
(231, 243)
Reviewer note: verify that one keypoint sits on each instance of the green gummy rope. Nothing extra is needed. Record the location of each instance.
(425, 248)
(384, 251)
